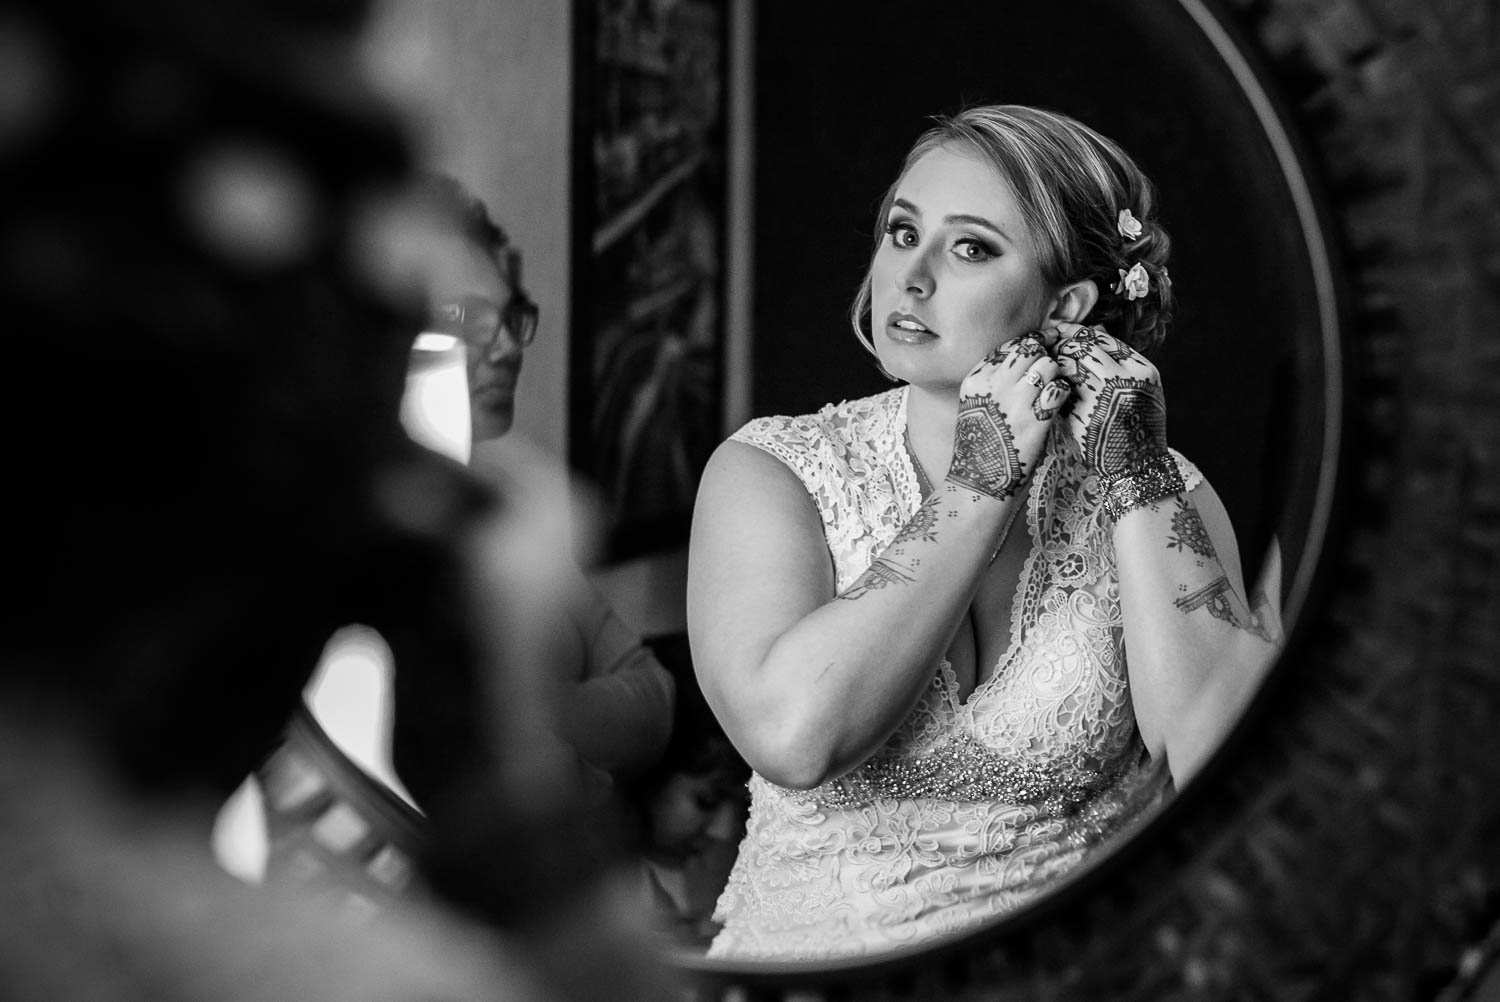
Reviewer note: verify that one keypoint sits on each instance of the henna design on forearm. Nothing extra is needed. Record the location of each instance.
(985, 459)
(922, 526)
(885, 570)
(1189, 532)
(880, 574)
(1128, 425)
(1212, 596)
(1218, 598)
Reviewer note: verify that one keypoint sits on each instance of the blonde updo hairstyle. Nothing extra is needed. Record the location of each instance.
(1071, 184)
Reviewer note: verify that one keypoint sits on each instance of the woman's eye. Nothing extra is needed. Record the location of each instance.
(902, 234)
(973, 250)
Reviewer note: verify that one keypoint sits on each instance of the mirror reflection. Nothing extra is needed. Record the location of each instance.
(980, 585)
(942, 718)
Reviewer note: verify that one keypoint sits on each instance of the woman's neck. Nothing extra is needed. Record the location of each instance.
(930, 419)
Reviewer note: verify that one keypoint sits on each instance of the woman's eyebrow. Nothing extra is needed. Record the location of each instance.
(977, 221)
(958, 219)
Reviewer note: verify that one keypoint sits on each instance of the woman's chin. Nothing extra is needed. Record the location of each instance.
(929, 377)
(491, 424)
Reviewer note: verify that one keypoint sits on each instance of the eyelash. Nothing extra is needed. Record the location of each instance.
(896, 226)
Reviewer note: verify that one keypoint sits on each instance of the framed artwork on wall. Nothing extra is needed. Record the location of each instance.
(650, 179)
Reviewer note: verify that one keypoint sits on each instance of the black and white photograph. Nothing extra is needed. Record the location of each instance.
(733, 500)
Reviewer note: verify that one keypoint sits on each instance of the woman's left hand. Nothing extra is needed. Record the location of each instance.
(1119, 414)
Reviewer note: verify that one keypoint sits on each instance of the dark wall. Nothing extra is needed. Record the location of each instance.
(841, 95)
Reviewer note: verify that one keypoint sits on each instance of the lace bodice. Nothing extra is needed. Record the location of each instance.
(974, 806)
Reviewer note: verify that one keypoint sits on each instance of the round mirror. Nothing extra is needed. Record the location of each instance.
(1252, 368)
(817, 112)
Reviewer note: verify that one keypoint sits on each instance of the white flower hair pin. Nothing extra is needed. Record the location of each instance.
(1135, 283)
(1128, 225)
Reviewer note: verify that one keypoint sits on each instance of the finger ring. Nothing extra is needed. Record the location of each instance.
(1034, 378)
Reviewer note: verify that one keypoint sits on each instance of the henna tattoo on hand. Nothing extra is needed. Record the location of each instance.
(1028, 347)
(1218, 598)
(1078, 345)
(1128, 424)
(1116, 349)
(1189, 532)
(1052, 396)
(985, 459)
(1088, 338)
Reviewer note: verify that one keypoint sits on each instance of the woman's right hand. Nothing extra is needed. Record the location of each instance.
(1005, 409)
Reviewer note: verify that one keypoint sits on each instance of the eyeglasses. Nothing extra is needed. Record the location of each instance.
(477, 321)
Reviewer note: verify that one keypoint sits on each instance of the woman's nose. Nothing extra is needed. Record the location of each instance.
(916, 277)
(502, 345)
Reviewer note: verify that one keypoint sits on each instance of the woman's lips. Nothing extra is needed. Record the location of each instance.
(494, 383)
(908, 329)
(493, 391)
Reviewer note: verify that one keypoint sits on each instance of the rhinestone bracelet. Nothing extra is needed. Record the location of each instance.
(1157, 477)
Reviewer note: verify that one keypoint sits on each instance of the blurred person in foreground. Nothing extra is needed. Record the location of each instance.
(351, 804)
(208, 477)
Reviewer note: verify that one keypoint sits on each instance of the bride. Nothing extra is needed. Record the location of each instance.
(911, 612)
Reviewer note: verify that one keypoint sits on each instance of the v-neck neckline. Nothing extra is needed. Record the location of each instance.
(913, 474)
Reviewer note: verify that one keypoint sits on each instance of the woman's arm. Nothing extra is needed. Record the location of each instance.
(619, 714)
(605, 696)
(1197, 646)
(806, 683)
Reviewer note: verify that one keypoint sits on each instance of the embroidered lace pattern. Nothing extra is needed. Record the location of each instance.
(974, 806)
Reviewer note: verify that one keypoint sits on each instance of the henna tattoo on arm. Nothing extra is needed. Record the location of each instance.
(985, 459)
(922, 526)
(1189, 532)
(1218, 598)
(886, 569)
(881, 574)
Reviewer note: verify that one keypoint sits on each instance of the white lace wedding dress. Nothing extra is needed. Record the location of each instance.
(973, 807)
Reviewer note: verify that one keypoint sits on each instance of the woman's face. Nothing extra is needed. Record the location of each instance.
(471, 277)
(957, 273)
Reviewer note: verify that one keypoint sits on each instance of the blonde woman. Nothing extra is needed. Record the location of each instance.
(965, 629)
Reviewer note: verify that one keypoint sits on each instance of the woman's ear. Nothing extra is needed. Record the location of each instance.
(1072, 303)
